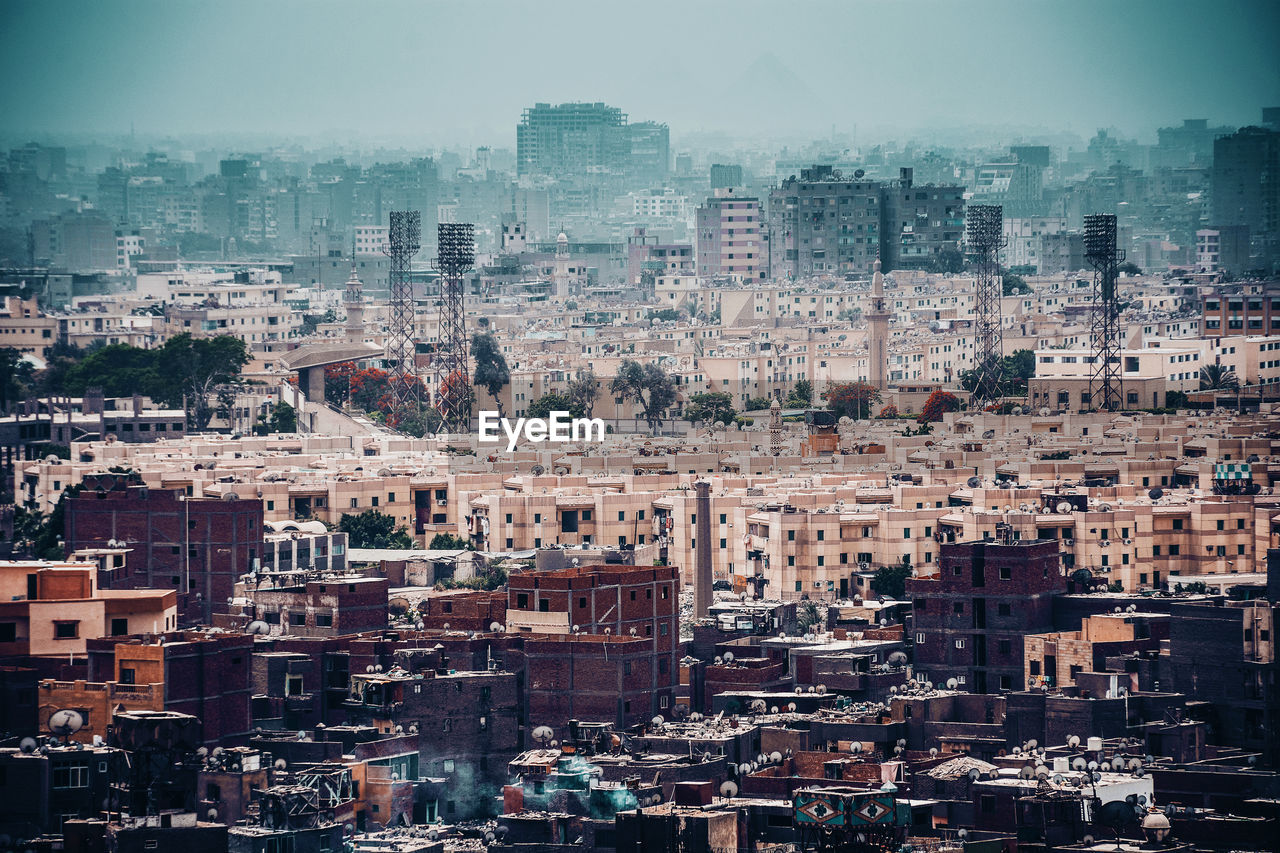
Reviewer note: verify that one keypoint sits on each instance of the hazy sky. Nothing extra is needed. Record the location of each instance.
(462, 71)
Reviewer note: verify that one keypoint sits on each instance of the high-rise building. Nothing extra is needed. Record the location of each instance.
(826, 223)
(1246, 188)
(823, 222)
(723, 176)
(919, 224)
(730, 239)
(650, 152)
(571, 139)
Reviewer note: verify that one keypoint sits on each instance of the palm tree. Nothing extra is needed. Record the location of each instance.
(1215, 377)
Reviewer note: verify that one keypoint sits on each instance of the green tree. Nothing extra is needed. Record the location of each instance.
(119, 370)
(649, 386)
(756, 403)
(310, 322)
(1217, 377)
(808, 617)
(851, 399)
(61, 360)
(491, 373)
(949, 261)
(43, 533)
(583, 390)
(372, 529)
(891, 581)
(283, 418)
(17, 375)
(416, 422)
(188, 369)
(1014, 285)
(801, 396)
(711, 407)
(1015, 370)
(1129, 268)
(666, 314)
(553, 402)
(1175, 400)
(449, 542)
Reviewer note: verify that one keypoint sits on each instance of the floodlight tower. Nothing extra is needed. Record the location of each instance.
(457, 255)
(984, 226)
(1106, 390)
(402, 244)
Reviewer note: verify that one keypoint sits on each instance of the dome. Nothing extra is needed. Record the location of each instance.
(562, 237)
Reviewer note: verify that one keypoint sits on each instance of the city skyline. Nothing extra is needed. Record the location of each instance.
(441, 74)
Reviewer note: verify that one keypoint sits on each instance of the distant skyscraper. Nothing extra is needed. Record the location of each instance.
(824, 222)
(1246, 188)
(650, 154)
(571, 139)
(723, 176)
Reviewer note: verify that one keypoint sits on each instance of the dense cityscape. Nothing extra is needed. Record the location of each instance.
(762, 472)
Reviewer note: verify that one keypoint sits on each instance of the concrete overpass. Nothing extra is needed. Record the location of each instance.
(310, 360)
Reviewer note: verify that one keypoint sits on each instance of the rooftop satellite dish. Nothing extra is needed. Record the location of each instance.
(230, 496)
(974, 482)
(1156, 493)
(537, 470)
(989, 434)
(28, 745)
(729, 790)
(66, 722)
(1063, 508)
(1074, 740)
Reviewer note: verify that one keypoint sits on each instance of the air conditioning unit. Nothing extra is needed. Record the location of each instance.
(1128, 541)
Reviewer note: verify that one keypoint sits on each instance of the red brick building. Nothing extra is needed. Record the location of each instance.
(968, 620)
(196, 546)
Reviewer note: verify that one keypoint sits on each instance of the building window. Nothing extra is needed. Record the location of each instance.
(66, 629)
(71, 776)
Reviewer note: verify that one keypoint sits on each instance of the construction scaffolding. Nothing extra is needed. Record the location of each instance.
(1106, 388)
(402, 244)
(984, 225)
(457, 255)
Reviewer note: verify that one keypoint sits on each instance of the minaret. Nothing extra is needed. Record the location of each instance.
(878, 332)
(560, 278)
(775, 427)
(353, 301)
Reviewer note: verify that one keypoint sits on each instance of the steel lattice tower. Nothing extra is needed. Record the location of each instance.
(402, 245)
(984, 224)
(1106, 390)
(457, 255)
